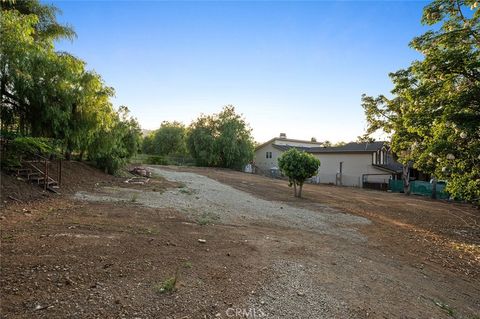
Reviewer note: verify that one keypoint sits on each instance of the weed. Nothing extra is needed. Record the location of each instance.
(187, 264)
(134, 198)
(168, 286)
(447, 308)
(7, 238)
(185, 191)
(207, 218)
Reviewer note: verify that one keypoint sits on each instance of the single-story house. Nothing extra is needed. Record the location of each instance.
(352, 164)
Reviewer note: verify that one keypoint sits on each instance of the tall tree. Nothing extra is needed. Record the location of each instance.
(434, 114)
(222, 139)
(169, 139)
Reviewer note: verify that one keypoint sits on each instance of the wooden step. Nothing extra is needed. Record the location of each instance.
(34, 174)
(22, 171)
(37, 179)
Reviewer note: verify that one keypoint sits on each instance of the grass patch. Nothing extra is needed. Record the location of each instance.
(134, 198)
(186, 191)
(168, 286)
(207, 218)
(187, 264)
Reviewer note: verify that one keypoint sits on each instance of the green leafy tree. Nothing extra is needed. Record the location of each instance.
(222, 140)
(115, 144)
(434, 114)
(147, 143)
(49, 94)
(201, 141)
(298, 166)
(170, 139)
(234, 142)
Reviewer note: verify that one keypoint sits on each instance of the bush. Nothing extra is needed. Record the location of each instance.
(26, 148)
(158, 160)
(111, 164)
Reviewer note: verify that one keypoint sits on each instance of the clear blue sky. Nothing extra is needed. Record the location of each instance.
(293, 67)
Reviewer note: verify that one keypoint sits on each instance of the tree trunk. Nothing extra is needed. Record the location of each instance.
(406, 178)
(434, 188)
(294, 189)
(300, 191)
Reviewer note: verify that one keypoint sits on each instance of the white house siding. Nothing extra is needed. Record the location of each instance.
(263, 163)
(354, 166)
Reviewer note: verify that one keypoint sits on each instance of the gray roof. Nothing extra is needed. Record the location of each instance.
(347, 148)
(355, 148)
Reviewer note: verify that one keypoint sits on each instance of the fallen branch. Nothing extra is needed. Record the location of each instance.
(15, 199)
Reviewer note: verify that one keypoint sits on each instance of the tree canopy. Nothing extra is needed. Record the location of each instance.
(434, 114)
(222, 140)
(169, 139)
(298, 166)
(50, 94)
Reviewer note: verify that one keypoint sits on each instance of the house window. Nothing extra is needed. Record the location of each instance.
(268, 155)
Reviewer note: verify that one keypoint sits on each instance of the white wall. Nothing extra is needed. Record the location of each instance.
(266, 163)
(354, 166)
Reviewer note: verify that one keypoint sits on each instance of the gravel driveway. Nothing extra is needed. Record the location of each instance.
(208, 201)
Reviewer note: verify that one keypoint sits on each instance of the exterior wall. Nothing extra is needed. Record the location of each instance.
(353, 167)
(263, 163)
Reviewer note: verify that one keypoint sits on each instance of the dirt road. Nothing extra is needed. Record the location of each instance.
(239, 246)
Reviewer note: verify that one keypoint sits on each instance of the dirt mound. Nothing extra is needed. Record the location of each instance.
(75, 176)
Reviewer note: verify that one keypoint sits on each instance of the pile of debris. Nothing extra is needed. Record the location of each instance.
(144, 174)
(141, 171)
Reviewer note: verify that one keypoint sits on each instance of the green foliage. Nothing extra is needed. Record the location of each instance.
(169, 285)
(158, 160)
(29, 146)
(169, 139)
(147, 143)
(222, 140)
(434, 115)
(298, 166)
(45, 93)
(113, 146)
(26, 148)
(208, 218)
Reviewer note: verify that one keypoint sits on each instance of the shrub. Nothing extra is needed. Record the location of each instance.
(25, 148)
(158, 160)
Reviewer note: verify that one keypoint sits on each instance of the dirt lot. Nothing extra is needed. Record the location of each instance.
(106, 249)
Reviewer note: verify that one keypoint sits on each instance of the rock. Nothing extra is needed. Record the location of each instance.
(203, 241)
(300, 293)
(69, 281)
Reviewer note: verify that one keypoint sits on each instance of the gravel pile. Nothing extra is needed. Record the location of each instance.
(209, 201)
